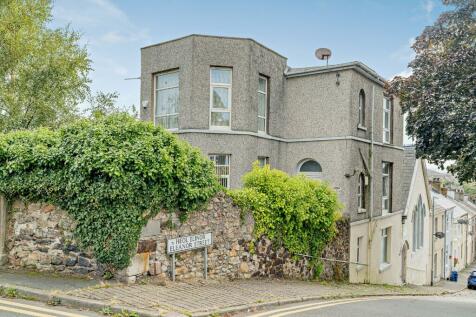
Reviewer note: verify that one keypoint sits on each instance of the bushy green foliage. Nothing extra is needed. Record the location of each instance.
(111, 174)
(293, 211)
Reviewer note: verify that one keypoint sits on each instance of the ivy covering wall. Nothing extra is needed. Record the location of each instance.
(293, 211)
(111, 174)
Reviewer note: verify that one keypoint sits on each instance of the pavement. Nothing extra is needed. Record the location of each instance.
(200, 298)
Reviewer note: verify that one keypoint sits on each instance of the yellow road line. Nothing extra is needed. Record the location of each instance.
(320, 307)
(40, 309)
(267, 313)
(304, 307)
(24, 312)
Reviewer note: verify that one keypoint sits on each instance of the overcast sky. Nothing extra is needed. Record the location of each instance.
(376, 32)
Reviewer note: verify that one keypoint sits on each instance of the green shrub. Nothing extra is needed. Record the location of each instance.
(293, 211)
(111, 174)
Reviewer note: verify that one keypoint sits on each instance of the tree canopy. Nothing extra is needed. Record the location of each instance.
(440, 95)
(43, 71)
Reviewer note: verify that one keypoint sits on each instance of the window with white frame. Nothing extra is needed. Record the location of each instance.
(385, 246)
(167, 99)
(262, 103)
(311, 169)
(387, 120)
(359, 249)
(263, 160)
(361, 193)
(419, 213)
(220, 97)
(222, 168)
(362, 108)
(386, 187)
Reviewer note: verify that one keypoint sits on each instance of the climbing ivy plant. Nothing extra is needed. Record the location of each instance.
(111, 174)
(292, 211)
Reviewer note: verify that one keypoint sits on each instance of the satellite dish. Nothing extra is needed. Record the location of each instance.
(323, 54)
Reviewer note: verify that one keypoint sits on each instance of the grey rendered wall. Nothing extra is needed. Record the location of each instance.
(316, 106)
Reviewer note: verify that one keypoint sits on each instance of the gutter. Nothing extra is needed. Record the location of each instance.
(371, 183)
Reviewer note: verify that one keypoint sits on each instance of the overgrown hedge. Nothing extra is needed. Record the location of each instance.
(293, 211)
(110, 174)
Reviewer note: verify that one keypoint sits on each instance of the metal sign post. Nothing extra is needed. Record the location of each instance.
(182, 244)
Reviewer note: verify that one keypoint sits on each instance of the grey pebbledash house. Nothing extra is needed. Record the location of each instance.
(239, 102)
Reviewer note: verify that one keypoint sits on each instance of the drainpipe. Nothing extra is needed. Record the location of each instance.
(371, 183)
(432, 240)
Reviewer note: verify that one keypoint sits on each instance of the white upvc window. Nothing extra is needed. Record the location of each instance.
(387, 120)
(167, 99)
(386, 187)
(263, 160)
(359, 249)
(220, 97)
(385, 246)
(262, 103)
(222, 168)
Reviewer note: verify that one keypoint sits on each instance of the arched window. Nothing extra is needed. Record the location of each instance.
(419, 213)
(310, 168)
(362, 108)
(361, 192)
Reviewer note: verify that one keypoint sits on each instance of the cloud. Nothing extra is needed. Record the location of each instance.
(428, 7)
(101, 20)
(404, 73)
(405, 52)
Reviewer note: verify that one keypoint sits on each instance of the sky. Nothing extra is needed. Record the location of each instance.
(378, 33)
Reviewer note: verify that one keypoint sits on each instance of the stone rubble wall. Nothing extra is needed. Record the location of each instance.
(337, 249)
(40, 237)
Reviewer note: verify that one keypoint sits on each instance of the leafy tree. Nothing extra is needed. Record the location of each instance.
(440, 95)
(110, 174)
(43, 72)
(105, 103)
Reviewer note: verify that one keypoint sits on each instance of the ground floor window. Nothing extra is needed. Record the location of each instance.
(359, 249)
(385, 247)
(263, 160)
(222, 168)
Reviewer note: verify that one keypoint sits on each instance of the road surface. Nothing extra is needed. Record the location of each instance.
(22, 308)
(462, 304)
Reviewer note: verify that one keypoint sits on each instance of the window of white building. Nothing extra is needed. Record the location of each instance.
(222, 168)
(359, 249)
(385, 246)
(387, 120)
(418, 224)
(167, 99)
(220, 97)
(262, 104)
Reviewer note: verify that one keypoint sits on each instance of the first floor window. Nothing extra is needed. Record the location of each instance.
(386, 187)
(220, 97)
(387, 120)
(359, 247)
(262, 103)
(361, 192)
(263, 160)
(385, 247)
(311, 169)
(167, 100)
(222, 168)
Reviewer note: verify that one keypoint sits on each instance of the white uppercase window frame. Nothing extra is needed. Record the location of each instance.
(387, 120)
(158, 90)
(221, 85)
(264, 93)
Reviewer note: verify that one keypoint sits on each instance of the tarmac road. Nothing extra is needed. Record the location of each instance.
(22, 308)
(462, 304)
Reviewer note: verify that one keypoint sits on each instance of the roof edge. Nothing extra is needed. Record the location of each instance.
(357, 66)
(217, 37)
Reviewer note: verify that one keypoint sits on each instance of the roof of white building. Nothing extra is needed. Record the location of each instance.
(460, 208)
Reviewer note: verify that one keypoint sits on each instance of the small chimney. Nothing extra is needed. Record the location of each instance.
(459, 195)
(444, 191)
(436, 184)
